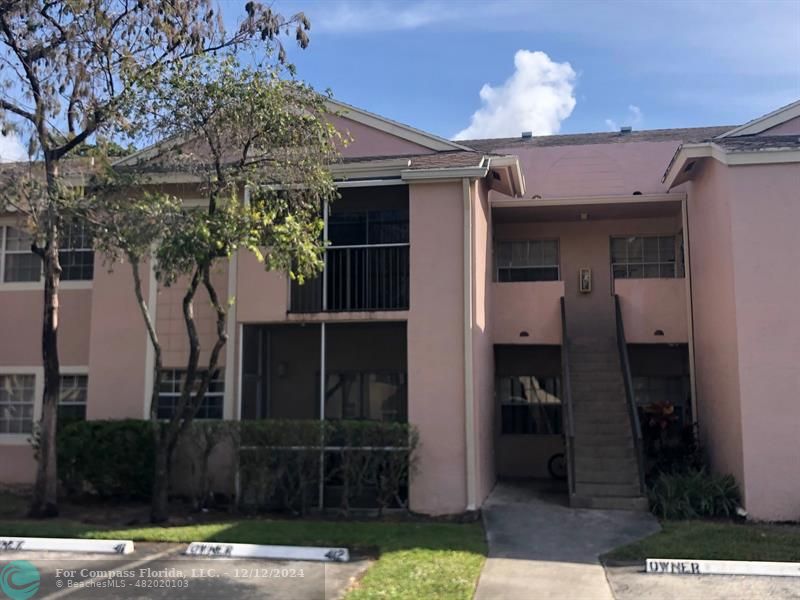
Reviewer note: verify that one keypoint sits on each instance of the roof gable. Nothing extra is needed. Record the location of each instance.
(398, 130)
(768, 121)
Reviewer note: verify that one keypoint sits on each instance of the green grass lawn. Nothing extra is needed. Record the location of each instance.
(715, 540)
(416, 560)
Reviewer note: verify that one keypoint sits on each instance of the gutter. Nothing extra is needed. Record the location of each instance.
(441, 173)
(469, 391)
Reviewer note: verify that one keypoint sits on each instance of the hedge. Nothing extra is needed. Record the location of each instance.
(367, 464)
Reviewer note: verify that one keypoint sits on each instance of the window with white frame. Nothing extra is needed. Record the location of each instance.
(76, 255)
(16, 403)
(643, 257)
(19, 264)
(172, 385)
(72, 400)
(530, 260)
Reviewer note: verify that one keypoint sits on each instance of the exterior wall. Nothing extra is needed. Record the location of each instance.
(790, 127)
(527, 306)
(716, 339)
(765, 210)
(170, 325)
(20, 329)
(482, 350)
(587, 244)
(436, 347)
(261, 296)
(117, 346)
(368, 141)
(650, 305)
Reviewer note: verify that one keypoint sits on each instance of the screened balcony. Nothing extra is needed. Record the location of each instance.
(367, 260)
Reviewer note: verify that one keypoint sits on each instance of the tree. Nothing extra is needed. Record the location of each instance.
(69, 70)
(259, 145)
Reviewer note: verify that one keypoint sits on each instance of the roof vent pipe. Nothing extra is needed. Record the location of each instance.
(625, 130)
(527, 134)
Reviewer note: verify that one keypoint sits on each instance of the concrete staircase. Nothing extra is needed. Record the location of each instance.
(606, 470)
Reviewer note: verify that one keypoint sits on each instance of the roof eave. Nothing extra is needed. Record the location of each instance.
(679, 170)
(406, 132)
(765, 122)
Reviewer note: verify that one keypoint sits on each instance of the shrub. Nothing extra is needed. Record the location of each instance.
(693, 494)
(107, 458)
(367, 463)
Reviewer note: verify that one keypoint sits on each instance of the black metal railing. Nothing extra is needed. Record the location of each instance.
(633, 412)
(566, 391)
(357, 278)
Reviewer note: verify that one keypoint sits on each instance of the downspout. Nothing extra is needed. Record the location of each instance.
(469, 392)
(687, 268)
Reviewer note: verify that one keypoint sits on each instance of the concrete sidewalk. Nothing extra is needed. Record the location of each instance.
(539, 548)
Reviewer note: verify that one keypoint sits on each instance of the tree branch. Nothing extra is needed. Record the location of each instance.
(18, 111)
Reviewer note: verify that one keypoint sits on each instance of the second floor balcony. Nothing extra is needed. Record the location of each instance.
(367, 260)
(357, 278)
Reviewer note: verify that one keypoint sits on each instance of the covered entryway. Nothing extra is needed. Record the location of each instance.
(529, 429)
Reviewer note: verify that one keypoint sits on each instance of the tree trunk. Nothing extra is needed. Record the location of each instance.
(44, 502)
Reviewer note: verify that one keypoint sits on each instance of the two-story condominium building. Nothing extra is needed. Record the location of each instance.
(512, 298)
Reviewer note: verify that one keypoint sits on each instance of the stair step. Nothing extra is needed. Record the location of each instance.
(611, 390)
(638, 503)
(604, 465)
(600, 417)
(622, 476)
(620, 428)
(592, 360)
(581, 378)
(590, 488)
(601, 452)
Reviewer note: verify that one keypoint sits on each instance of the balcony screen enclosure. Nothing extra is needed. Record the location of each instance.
(363, 366)
(367, 260)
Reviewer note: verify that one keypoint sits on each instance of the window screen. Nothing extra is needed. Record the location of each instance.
(533, 260)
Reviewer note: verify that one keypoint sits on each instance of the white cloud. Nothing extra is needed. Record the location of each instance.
(366, 17)
(537, 97)
(12, 149)
(635, 118)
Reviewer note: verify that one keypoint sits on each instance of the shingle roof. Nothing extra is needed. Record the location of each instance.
(757, 143)
(67, 167)
(690, 134)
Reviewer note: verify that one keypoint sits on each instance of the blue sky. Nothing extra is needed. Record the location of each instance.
(645, 64)
(483, 68)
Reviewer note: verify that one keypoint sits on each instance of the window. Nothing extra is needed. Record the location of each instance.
(19, 263)
(366, 395)
(170, 393)
(529, 404)
(534, 260)
(72, 401)
(76, 256)
(638, 257)
(368, 227)
(16, 403)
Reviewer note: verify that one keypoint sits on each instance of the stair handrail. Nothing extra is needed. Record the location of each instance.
(633, 413)
(566, 392)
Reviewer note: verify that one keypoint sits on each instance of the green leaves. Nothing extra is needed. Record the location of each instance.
(694, 494)
(260, 146)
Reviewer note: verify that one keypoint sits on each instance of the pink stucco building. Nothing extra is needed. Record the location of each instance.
(479, 290)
